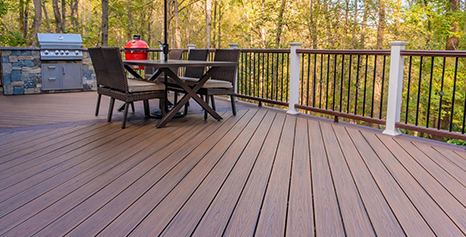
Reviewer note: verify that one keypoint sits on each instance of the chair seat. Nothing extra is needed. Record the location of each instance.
(140, 86)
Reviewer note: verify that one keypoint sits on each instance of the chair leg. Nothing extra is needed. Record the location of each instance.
(233, 105)
(110, 109)
(146, 108)
(163, 102)
(132, 106)
(175, 98)
(205, 111)
(98, 104)
(213, 102)
(125, 115)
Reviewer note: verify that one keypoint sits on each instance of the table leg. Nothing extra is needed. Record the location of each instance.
(190, 93)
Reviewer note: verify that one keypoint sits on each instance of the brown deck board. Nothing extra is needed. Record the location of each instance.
(327, 212)
(450, 167)
(216, 217)
(245, 216)
(408, 216)
(159, 218)
(300, 209)
(443, 199)
(431, 212)
(152, 180)
(144, 206)
(272, 220)
(64, 171)
(187, 218)
(352, 209)
(382, 218)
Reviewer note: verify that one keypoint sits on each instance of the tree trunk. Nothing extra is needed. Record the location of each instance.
(36, 23)
(214, 23)
(280, 24)
(312, 26)
(104, 22)
(63, 15)
(355, 22)
(74, 12)
(130, 21)
(219, 25)
(381, 25)
(46, 15)
(177, 25)
(208, 23)
(452, 40)
(362, 40)
(56, 12)
(24, 17)
(345, 27)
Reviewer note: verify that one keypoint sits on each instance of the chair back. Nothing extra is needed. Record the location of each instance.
(226, 73)
(196, 54)
(109, 68)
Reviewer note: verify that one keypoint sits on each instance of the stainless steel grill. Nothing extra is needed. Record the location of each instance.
(60, 46)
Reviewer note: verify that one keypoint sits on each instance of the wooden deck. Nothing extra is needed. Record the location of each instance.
(64, 171)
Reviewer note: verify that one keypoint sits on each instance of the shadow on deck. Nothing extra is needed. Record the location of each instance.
(64, 171)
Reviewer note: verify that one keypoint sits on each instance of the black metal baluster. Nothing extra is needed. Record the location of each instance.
(357, 87)
(341, 80)
(277, 75)
(243, 88)
(453, 96)
(441, 96)
(253, 74)
(408, 89)
(314, 78)
(430, 91)
(288, 77)
(350, 66)
(262, 75)
(419, 92)
(365, 88)
(282, 76)
(302, 78)
(328, 76)
(382, 88)
(373, 86)
(268, 76)
(320, 82)
(334, 81)
(308, 78)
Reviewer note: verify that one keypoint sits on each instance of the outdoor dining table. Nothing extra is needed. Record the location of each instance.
(164, 66)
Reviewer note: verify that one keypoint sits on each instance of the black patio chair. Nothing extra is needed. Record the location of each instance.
(112, 82)
(221, 82)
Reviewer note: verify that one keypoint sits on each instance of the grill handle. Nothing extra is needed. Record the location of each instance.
(52, 79)
(51, 67)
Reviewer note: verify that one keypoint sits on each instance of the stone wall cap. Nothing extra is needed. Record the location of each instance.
(19, 48)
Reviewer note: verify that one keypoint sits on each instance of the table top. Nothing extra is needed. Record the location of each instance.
(179, 63)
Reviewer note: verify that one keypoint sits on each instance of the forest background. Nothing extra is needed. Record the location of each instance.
(318, 24)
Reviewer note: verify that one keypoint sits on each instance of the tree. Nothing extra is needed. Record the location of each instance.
(208, 23)
(381, 25)
(36, 23)
(104, 26)
(452, 39)
(58, 18)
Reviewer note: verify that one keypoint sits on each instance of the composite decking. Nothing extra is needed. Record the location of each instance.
(64, 171)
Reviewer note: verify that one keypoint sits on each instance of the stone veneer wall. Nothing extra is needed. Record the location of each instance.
(21, 71)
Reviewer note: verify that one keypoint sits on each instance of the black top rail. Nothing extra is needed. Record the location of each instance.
(439, 53)
(345, 52)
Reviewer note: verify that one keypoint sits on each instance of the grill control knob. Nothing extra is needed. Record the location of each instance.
(46, 52)
(67, 52)
(62, 52)
(57, 52)
(76, 52)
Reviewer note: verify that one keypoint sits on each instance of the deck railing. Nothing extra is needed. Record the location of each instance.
(420, 91)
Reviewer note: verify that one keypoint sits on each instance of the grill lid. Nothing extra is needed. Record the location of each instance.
(54, 41)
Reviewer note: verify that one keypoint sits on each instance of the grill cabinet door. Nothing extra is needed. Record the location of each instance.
(51, 77)
(72, 76)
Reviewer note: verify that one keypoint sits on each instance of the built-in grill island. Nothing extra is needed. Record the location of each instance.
(61, 56)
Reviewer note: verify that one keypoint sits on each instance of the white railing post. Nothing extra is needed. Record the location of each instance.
(395, 88)
(235, 46)
(191, 46)
(294, 79)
